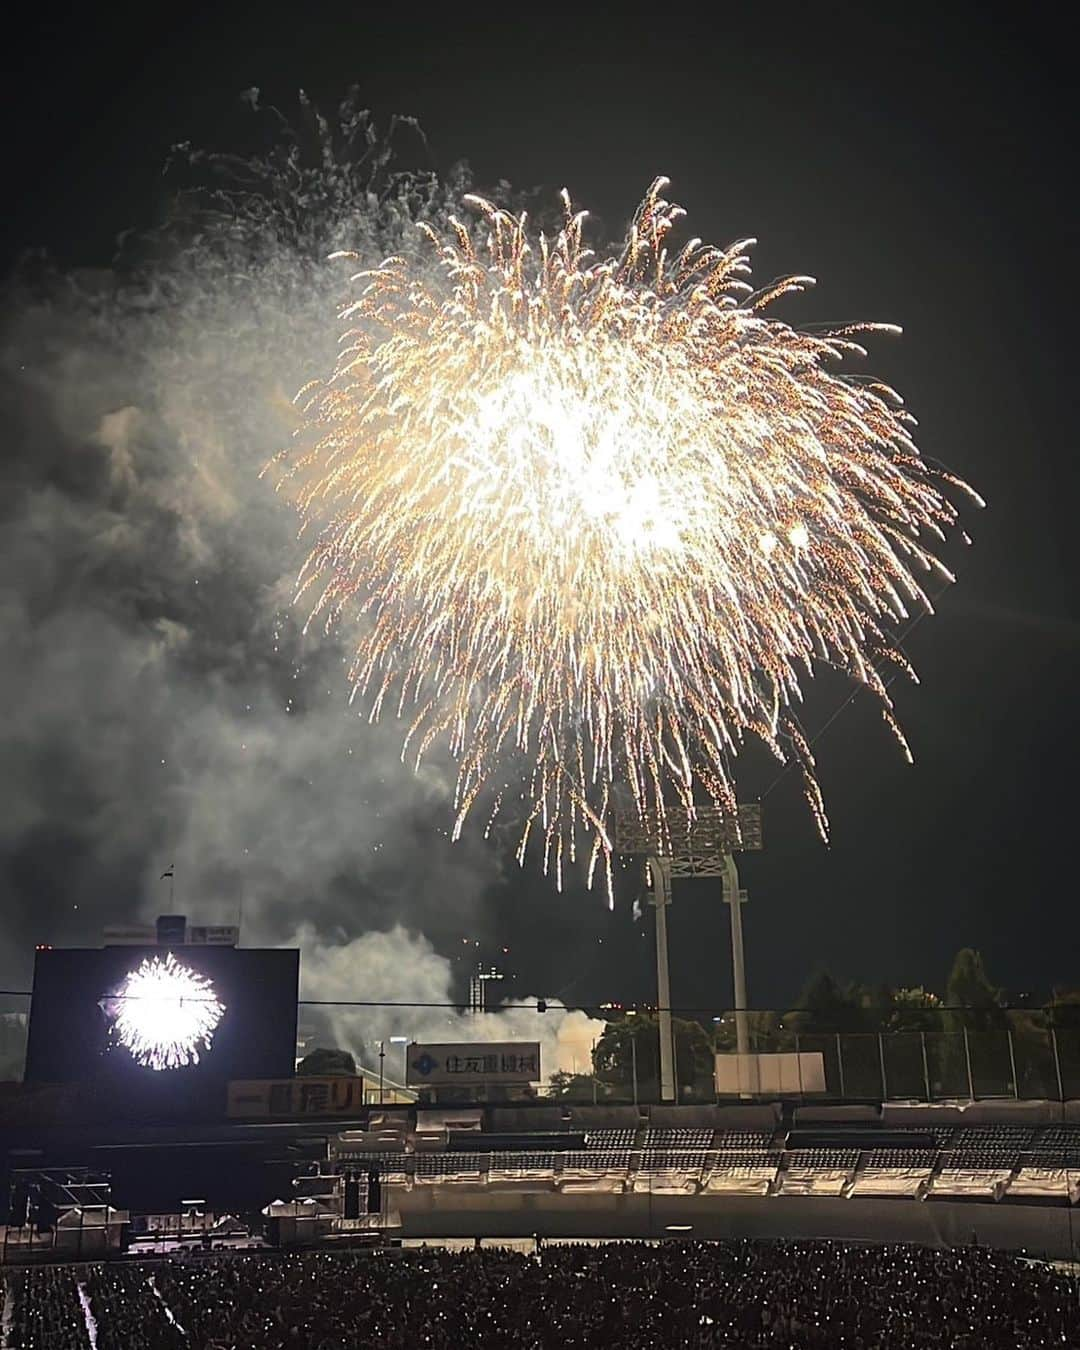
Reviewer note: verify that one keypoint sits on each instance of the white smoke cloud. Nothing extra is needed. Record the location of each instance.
(397, 966)
(162, 704)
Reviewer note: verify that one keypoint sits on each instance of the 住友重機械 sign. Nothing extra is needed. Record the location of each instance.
(473, 1065)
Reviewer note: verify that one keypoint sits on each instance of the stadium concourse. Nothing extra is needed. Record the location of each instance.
(731, 1294)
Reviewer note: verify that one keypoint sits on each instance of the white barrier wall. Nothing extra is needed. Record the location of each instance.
(464, 1211)
(785, 1074)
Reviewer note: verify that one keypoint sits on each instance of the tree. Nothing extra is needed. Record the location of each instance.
(1064, 1010)
(826, 1007)
(573, 1087)
(969, 988)
(635, 1040)
(327, 1063)
(968, 985)
(914, 1009)
(766, 1030)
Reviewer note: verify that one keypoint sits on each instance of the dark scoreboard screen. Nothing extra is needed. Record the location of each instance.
(160, 1015)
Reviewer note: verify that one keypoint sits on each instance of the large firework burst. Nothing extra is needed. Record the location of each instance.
(599, 517)
(164, 1013)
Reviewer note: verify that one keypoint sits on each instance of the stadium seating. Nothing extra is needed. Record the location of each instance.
(752, 1173)
(991, 1139)
(669, 1171)
(677, 1138)
(1061, 1139)
(818, 1171)
(894, 1172)
(968, 1183)
(1054, 1184)
(974, 1173)
(978, 1162)
(743, 1141)
(667, 1160)
(594, 1170)
(391, 1167)
(1028, 1164)
(433, 1168)
(609, 1139)
(941, 1134)
(511, 1168)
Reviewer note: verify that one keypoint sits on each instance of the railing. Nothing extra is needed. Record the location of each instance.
(935, 1065)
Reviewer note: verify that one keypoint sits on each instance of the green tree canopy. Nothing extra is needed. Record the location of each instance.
(768, 1032)
(638, 1036)
(324, 1062)
(826, 1007)
(1064, 1012)
(573, 1087)
(915, 1009)
(969, 985)
(969, 988)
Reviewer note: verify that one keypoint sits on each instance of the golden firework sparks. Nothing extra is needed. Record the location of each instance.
(599, 517)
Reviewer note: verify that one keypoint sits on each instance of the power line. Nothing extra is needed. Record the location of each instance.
(624, 1008)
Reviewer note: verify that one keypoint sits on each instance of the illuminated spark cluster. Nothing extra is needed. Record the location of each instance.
(164, 1013)
(594, 519)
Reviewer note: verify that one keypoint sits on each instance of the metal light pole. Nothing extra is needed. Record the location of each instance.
(403, 1041)
(702, 847)
(660, 872)
(735, 898)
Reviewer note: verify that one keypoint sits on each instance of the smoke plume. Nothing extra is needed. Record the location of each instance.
(163, 706)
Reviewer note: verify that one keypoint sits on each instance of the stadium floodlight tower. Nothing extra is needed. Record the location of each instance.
(704, 846)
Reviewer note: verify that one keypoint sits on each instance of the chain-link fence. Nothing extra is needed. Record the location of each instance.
(612, 1055)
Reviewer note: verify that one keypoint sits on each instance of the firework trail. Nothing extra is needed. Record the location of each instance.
(595, 519)
(164, 1013)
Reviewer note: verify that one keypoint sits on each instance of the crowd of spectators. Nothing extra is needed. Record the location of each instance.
(721, 1295)
(47, 1313)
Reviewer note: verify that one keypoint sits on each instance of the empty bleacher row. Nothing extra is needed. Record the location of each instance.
(1059, 1136)
(678, 1139)
(606, 1139)
(989, 1163)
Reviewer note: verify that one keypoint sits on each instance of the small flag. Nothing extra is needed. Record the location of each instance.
(168, 873)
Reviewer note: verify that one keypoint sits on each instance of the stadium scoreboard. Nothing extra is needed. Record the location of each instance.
(144, 1017)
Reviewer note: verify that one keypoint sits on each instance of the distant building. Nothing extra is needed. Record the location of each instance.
(479, 997)
(13, 1027)
(171, 930)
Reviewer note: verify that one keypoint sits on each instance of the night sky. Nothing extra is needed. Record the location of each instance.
(920, 171)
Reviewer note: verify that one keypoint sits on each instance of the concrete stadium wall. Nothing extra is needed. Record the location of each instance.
(455, 1210)
(977, 1113)
(752, 1116)
(767, 1115)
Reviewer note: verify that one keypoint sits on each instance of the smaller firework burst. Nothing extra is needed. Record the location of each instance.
(164, 1013)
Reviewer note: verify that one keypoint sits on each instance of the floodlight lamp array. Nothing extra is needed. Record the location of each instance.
(695, 847)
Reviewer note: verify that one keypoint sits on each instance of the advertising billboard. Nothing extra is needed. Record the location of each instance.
(780, 1074)
(288, 1098)
(476, 1064)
